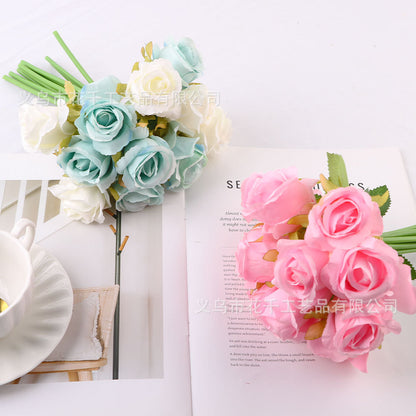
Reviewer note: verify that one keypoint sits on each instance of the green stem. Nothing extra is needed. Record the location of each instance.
(72, 57)
(27, 88)
(77, 84)
(44, 82)
(400, 247)
(27, 82)
(56, 80)
(401, 232)
(408, 251)
(399, 239)
(116, 329)
(397, 243)
(402, 240)
(39, 85)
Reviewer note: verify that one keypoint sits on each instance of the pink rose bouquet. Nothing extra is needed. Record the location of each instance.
(319, 266)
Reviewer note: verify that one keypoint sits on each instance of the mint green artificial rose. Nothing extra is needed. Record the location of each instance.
(146, 162)
(84, 164)
(184, 57)
(102, 90)
(138, 199)
(190, 159)
(188, 170)
(104, 119)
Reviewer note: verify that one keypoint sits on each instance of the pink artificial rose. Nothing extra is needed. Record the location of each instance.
(351, 335)
(275, 197)
(279, 313)
(372, 270)
(297, 271)
(250, 252)
(343, 219)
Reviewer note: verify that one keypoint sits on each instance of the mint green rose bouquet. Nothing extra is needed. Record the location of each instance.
(122, 145)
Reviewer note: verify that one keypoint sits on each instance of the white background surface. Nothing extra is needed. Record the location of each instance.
(290, 73)
(311, 73)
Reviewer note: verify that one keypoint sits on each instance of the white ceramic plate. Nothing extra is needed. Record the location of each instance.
(45, 321)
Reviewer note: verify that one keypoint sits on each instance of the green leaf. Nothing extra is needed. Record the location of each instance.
(337, 171)
(381, 195)
(318, 197)
(121, 88)
(149, 49)
(327, 185)
(412, 269)
(74, 112)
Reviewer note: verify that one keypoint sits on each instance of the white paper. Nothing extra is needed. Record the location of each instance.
(236, 366)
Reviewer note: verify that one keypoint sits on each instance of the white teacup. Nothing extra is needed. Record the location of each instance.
(16, 273)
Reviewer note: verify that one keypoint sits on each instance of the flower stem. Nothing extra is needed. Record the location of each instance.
(40, 80)
(24, 86)
(401, 232)
(56, 80)
(402, 240)
(72, 57)
(404, 246)
(116, 332)
(27, 82)
(408, 251)
(77, 84)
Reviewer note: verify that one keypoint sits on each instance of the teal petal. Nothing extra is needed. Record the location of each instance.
(138, 199)
(104, 89)
(188, 170)
(146, 163)
(183, 56)
(170, 137)
(84, 164)
(140, 132)
(185, 147)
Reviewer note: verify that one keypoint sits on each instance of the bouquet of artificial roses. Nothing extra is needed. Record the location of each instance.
(129, 142)
(319, 266)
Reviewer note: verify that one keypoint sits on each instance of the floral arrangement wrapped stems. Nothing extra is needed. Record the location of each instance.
(122, 145)
(319, 266)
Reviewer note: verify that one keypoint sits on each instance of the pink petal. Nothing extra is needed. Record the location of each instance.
(360, 362)
(404, 291)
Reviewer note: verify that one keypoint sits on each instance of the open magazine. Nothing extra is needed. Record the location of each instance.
(189, 345)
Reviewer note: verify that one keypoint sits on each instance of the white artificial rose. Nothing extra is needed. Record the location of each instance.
(195, 105)
(215, 130)
(154, 89)
(81, 202)
(43, 127)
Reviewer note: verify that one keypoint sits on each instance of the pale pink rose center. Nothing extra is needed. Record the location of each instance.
(368, 273)
(341, 217)
(297, 276)
(360, 337)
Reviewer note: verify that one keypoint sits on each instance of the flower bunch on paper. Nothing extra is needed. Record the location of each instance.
(123, 144)
(318, 264)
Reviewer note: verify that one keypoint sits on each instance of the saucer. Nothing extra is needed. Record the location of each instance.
(45, 321)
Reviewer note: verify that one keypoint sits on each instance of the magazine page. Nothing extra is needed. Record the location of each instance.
(237, 367)
(153, 344)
